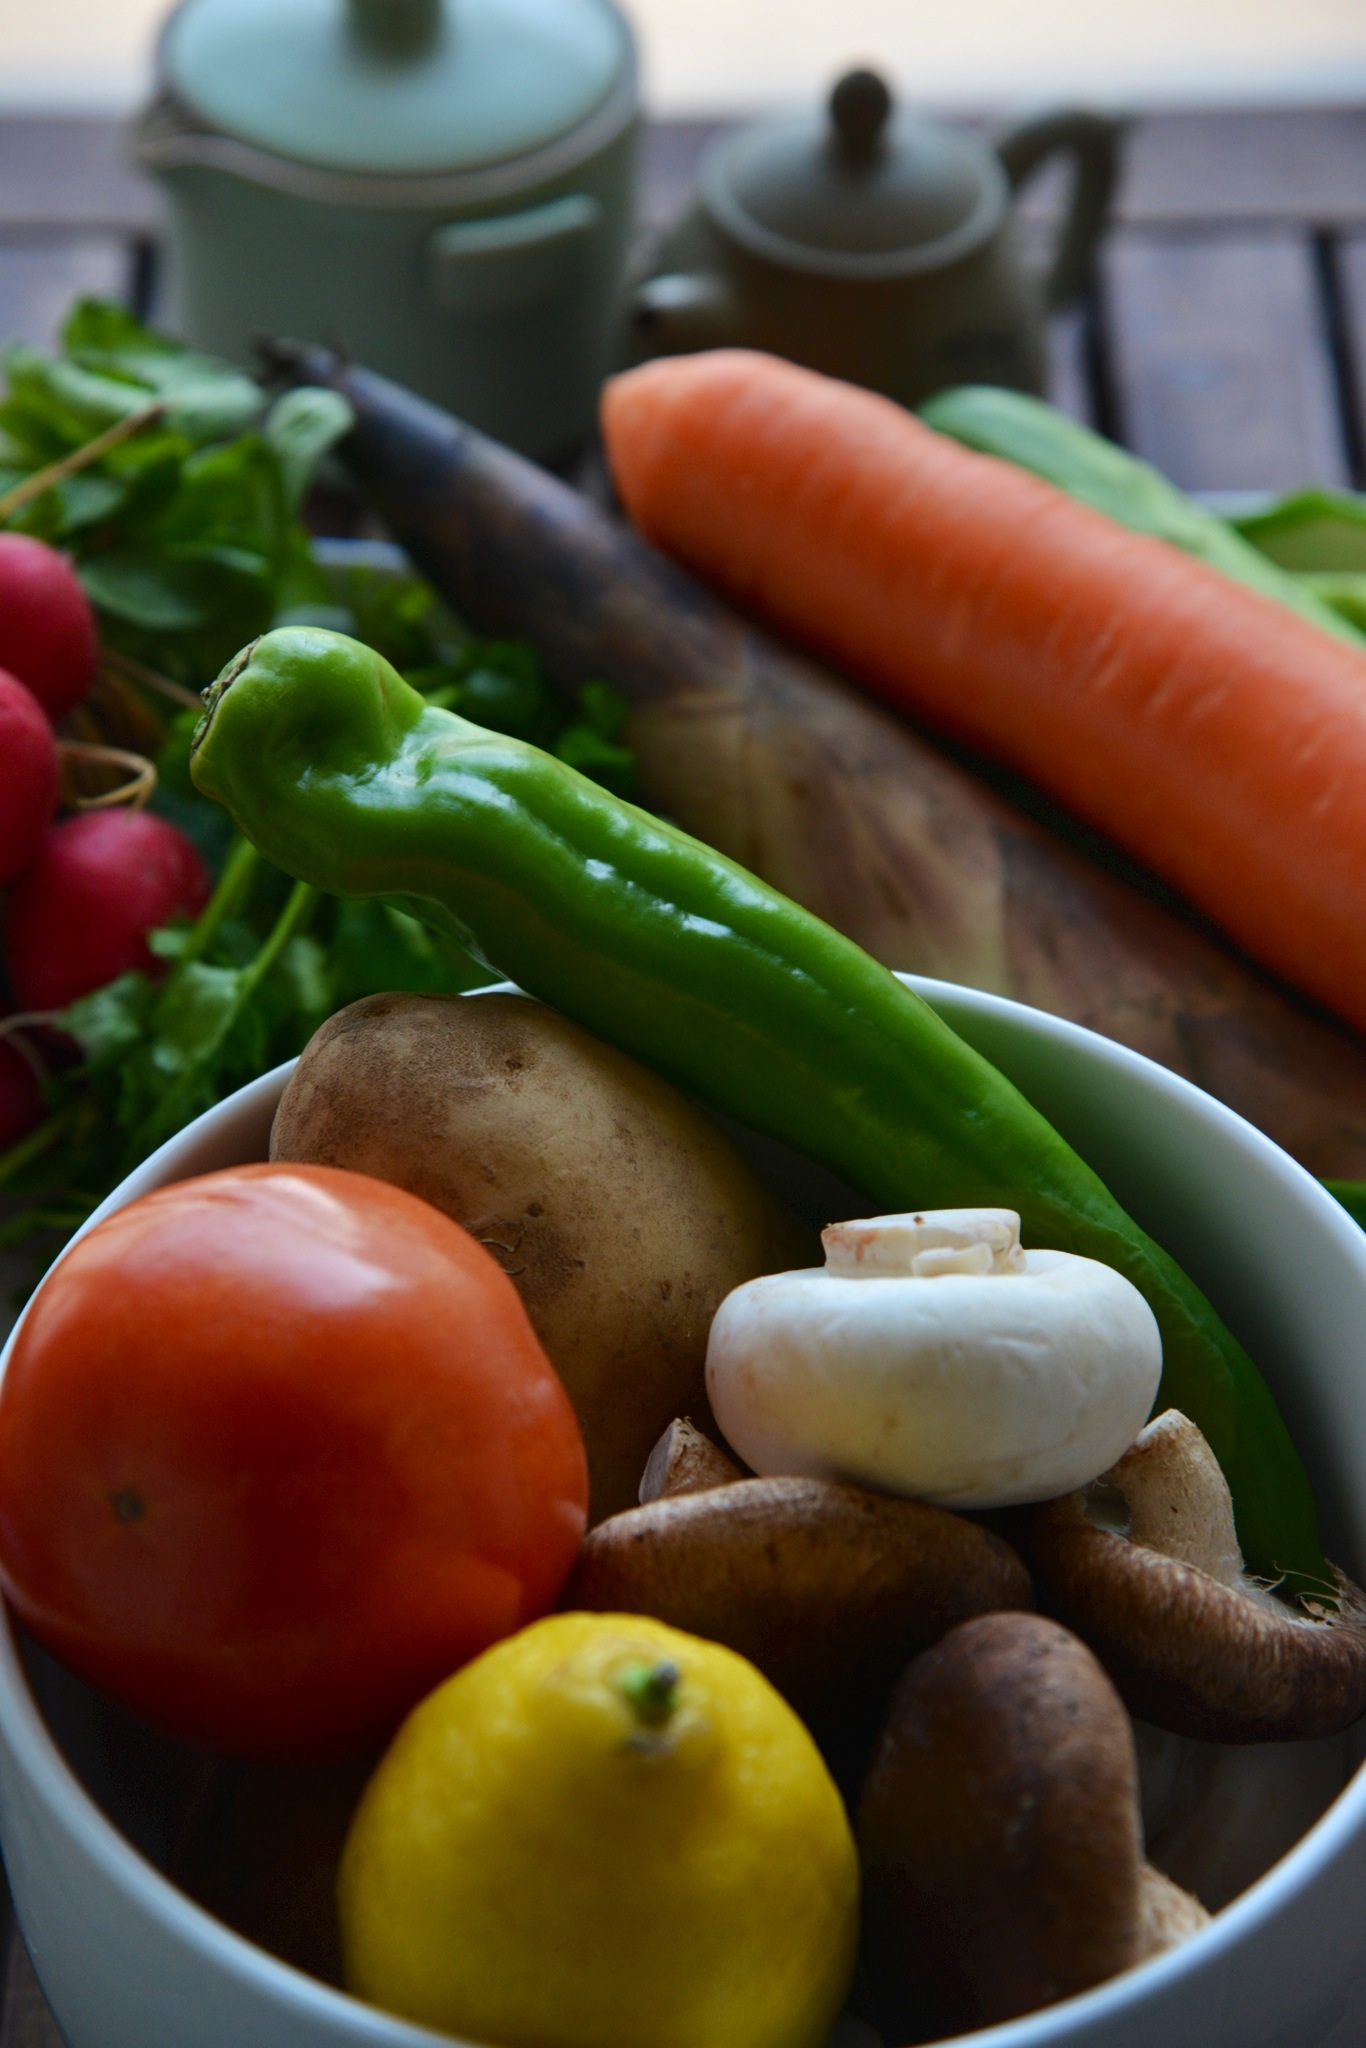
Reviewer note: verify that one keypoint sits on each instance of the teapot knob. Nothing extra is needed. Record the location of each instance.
(859, 106)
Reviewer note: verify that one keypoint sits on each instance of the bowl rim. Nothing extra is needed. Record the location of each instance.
(1062, 2025)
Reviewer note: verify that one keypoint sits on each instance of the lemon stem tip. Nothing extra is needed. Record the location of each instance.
(650, 1690)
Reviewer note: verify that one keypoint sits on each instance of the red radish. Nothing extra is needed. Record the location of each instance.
(47, 629)
(30, 777)
(21, 1100)
(80, 914)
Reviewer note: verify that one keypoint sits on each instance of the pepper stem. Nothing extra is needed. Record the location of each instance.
(650, 1690)
(239, 871)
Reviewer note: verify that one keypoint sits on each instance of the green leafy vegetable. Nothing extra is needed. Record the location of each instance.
(188, 542)
(1345, 590)
(1352, 1195)
(1310, 531)
(301, 428)
(185, 535)
(246, 986)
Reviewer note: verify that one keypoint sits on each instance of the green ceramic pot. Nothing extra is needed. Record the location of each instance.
(444, 188)
(875, 245)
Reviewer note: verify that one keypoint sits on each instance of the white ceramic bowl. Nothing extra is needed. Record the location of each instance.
(127, 1961)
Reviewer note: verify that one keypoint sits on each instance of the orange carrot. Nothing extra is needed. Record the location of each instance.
(1214, 733)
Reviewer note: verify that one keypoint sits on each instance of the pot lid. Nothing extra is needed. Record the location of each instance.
(858, 186)
(400, 86)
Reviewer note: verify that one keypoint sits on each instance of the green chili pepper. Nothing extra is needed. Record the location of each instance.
(347, 779)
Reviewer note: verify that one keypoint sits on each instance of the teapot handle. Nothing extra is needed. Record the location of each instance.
(1093, 140)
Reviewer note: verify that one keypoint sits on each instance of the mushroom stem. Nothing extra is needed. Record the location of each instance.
(650, 1690)
(1178, 1499)
(1144, 1564)
(685, 1461)
(1167, 1916)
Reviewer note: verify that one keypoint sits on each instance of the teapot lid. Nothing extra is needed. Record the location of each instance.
(857, 188)
(400, 86)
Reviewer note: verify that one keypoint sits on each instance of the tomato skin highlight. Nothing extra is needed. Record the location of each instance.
(279, 1450)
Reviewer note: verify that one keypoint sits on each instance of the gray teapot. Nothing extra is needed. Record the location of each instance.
(875, 245)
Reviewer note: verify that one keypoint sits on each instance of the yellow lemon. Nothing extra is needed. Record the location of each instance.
(604, 1833)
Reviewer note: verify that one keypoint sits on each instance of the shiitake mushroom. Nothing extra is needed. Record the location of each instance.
(1145, 1566)
(1000, 1836)
(828, 1588)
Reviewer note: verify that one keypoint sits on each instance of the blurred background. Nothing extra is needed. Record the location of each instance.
(1221, 330)
(704, 56)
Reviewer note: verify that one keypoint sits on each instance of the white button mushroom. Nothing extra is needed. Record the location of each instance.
(932, 1356)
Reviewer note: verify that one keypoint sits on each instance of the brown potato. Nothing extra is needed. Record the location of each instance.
(619, 1209)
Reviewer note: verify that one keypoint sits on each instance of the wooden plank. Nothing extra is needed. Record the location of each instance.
(72, 171)
(670, 152)
(1066, 349)
(1243, 164)
(1222, 364)
(1229, 164)
(39, 278)
(1349, 266)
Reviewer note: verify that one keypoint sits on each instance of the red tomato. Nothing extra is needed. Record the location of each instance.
(279, 1450)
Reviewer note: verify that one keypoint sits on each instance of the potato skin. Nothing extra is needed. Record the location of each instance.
(619, 1209)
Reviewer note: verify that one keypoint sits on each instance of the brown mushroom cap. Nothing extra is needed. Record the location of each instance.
(685, 1461)
(999, 1832)
(827, 1588)
(1145, 1566)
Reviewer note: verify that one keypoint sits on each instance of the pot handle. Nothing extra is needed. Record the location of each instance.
(1093, 140)
(511, 261)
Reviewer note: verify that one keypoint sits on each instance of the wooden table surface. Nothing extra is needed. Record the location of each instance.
(1224, 337)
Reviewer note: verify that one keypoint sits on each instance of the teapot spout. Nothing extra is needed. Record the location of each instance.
(678, 312)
